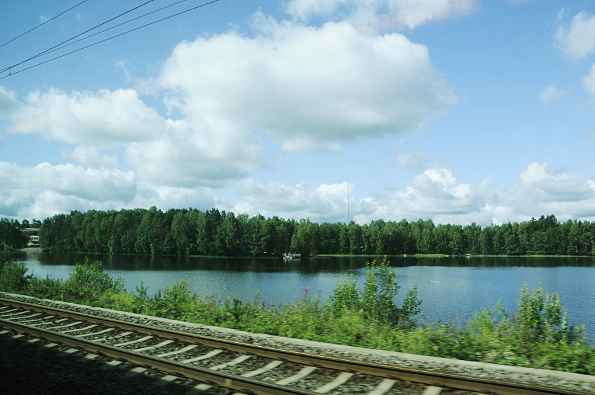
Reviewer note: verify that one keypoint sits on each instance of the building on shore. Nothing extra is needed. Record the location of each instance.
(33, 235)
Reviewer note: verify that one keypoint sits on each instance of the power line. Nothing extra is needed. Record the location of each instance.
(117, 25)
(11, 73)
(32, 29)
(12, 66)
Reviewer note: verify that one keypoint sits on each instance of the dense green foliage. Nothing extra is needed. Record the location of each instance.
(536, 335)
(11, 235)
(214, 232)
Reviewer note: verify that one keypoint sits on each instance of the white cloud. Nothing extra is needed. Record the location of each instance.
(318, 85)
(546, 185)
(8, 102)
(589, 81)
(183, 153)
(195, 154)
(102, 117)
(382, 14)
(551, 94)
(47, 189)
(25, 189)
(435, 193)
(578, 39)
(92, 157)
(326, 202)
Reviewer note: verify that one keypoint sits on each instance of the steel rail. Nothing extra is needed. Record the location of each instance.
(193, 372)
(438, 379)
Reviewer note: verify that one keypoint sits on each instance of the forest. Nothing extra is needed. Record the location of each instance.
(186, 232)
(11, 235)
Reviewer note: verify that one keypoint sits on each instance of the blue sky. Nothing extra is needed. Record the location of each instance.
(456, 110)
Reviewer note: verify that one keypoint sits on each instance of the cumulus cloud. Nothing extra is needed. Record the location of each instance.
(195, 153)
(325, 203)
(577, 40)
(547, 186)
(551, 94)
(102, 117)
(436, 194)
(93, 157)
(22, 188)
(47, 189)
(307, 85)
(382, 13)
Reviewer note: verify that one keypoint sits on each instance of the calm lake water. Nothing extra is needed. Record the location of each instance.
(452, 289)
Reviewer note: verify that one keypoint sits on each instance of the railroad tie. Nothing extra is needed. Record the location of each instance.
(176, 352)
(202, 387)
(148, 348)
(28, 317)
(9, 314)
(298, 376)
(382, 388)
(431, 390)
(3, 332)
(169, 378)
(339, 380)
(71, 350)
(37, 320)
(96, 333)
(35, 340)
(128, 343)
(18, 336)
(55, 322)
(233, 362)
(114, 362)
(80, 329)
(138, 369)
(204, 356)
(121, 335)
(53, 328)
(270, 366)
(91, 356)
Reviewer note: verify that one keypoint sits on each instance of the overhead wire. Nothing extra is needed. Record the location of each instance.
(12, 66)
(32, 29)
(165, 18)
(136, 18)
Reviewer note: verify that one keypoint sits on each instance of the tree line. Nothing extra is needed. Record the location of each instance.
(194, 232)
(11, 235)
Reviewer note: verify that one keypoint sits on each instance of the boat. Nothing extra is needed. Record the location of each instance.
(290, 256)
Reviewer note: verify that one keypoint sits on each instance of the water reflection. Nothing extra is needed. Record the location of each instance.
(452, 289)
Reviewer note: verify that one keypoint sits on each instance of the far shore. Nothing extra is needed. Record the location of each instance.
(36, 250)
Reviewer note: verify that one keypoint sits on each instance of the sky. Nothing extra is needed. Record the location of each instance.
(458, 111)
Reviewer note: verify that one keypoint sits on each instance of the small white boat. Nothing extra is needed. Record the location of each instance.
(288, 256)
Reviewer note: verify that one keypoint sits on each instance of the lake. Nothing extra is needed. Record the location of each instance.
(452, 289)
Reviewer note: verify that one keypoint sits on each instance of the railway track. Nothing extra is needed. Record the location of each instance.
(217, 363)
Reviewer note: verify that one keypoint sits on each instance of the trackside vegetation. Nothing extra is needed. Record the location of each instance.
(537, 334)
(213, 232)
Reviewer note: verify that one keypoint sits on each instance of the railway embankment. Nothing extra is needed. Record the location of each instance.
(352, 358)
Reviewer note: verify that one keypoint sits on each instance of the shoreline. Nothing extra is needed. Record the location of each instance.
(440, 256)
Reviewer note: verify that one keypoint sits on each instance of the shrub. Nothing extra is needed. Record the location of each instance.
(88, 282)
(13, 277)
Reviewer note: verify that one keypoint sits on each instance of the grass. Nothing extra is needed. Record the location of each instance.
(536, 335)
